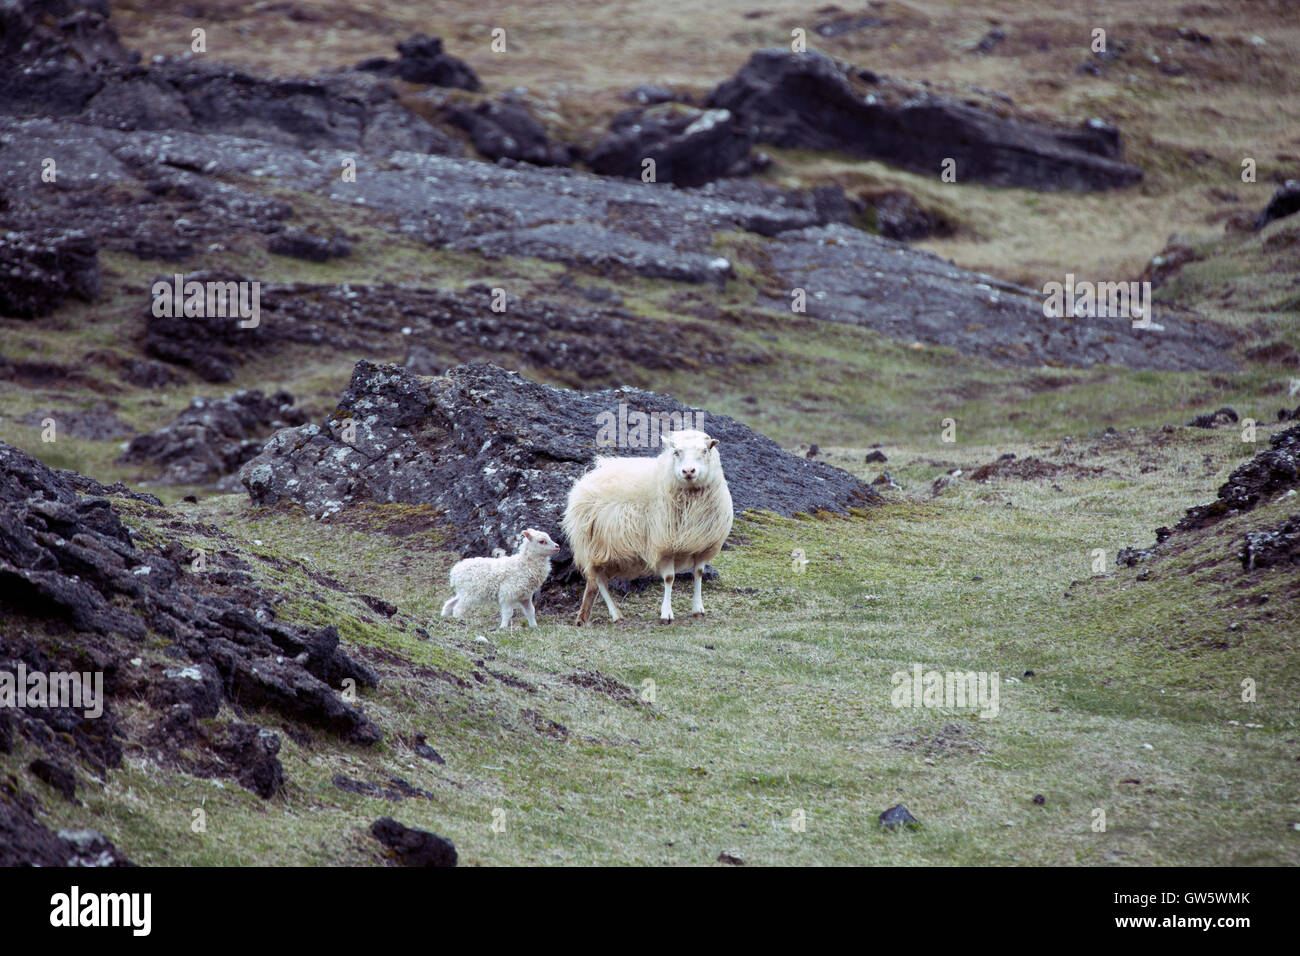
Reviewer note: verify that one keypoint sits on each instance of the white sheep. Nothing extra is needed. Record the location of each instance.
(629, 517)
(511, 580)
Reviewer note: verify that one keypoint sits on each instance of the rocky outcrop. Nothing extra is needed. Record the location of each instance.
(508, 131)
(411, 847)
(690, 147)
(64, 59)
(422, 60)
(1285, 202)
(211, 438)
(438, 328)
(54, 54)
(1268, 475)
(301, 244)
(810, 101)
(494, 453)
(68, 566)
(41, 268)
(852, 277)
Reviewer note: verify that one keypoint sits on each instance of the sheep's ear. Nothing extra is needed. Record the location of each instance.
(713, 443)
(528, 533)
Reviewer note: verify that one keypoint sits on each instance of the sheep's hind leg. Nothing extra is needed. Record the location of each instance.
(507, 612)
(588, 597)
(614, 613)
(529, 612)
(449, 606)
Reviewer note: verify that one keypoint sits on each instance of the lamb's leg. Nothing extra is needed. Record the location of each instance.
(588, 597)
(507, 612)
(614, 613)
(666, 608)
(449, 606)
(529, 611)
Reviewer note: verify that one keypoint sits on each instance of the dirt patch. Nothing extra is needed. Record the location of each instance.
(951, 740)
(1009, 467)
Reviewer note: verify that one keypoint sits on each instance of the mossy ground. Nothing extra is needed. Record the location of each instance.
(780, 700)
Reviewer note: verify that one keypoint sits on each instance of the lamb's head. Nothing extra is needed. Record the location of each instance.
(692, 459)
(533, 541)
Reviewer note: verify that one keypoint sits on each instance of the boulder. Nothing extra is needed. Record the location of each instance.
(213, 437)
(811, 101)
(508, 131)
(690, 147)
(493, 453)
(422, 60)
(411, 847)
(41, 268)
(1285, 202)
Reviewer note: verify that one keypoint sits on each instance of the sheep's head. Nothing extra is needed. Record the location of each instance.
(693, 458)
(533, 541)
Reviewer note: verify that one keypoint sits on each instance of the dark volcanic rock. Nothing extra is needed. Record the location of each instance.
(602, 250)
(897, 816)
(437, 328)
(253, 751)
(495, 453)
(810, 101)
(422, 60)
(301, 244)
(508, 131)
(340, 110)
(413, 847)
(1270, 473)
(1223, 416)
(1273, 546)
(97, 423)
(53, 54)
(25, 841)
(68, 560)
(38, 270)
(853, 277)
(57, 775)
(1265, 477)
(213, 437)
(1285, 202)
(690, 147)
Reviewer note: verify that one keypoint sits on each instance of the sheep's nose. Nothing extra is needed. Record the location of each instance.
(688, 473)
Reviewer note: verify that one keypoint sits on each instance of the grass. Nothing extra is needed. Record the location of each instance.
(780, 701)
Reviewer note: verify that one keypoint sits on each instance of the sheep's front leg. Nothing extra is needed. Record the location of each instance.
(697, 595)
(667, 572)
(529, 611)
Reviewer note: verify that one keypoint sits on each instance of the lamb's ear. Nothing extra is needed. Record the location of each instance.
(528, 533)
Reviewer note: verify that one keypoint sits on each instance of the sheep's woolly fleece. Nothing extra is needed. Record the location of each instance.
(494, 453)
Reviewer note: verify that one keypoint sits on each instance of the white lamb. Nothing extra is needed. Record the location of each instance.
(629, 517)
(511, 581)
